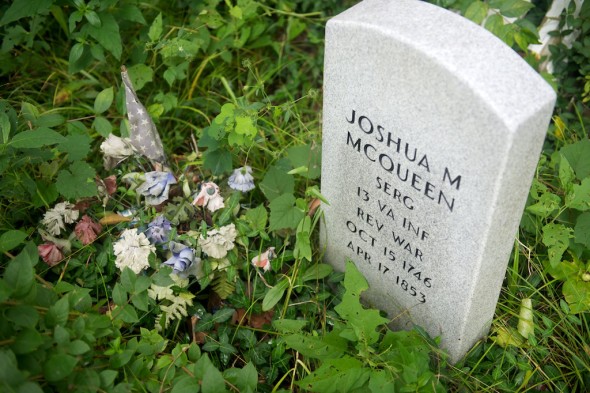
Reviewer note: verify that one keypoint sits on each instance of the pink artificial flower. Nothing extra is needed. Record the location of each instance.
(50, 253)
(209, 196)
(87, 230)
(263, 260)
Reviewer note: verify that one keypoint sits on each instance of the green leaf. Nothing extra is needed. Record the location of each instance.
(11, 239)
(577, 294)
(77, 182)
(24, 8)
(77, 347)
(582, 229)
(325, 347)
(58, 313)
(284, 214)
(107, 35)
(526, 325)
(547, 204)
(511, 8)
(20, 275)
(119, 295)
(218, 161)
(9, 372)
(22, 316)
(58, 367)
(245, 379)
(289, 325)
(76, 146)
(5, 127)
(303, 244)
(477, 11)
(103, 100)
(317, 272)
(307, 156)
(126, 313)
(140, 74)
(102, 126)
(381, 381)
(274, 295)
(556, 238)
(49, 120)
(336, 376)
(39, 137)
(257, 217)
(578, 196)
(156, 28)
(363, 322)
(212, 379)
(185, 384)
(277, 182)
(27, 341)
(578, 156)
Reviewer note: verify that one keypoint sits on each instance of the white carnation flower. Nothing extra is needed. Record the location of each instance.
(219, 242)
(115, 150)
(133, 250)
(55, 219)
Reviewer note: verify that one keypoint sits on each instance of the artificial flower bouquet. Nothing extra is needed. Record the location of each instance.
(155, 221)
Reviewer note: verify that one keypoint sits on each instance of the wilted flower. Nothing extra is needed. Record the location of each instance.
(209, 197)
(133, 250)
(263, 260)
(55, 218)
(87, 230)
(182, 257)
(50, 253)
(219, 242)
(241, 179)
(156, 187)
(115, 150)
(158, 230)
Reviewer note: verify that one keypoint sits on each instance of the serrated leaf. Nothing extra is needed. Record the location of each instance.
(284, 214)
(59, 366)
(578, 196)
(337, 375)
(76, 146)
(364, 322)
(11, 239)
(107, 34)
(577, 294)
(218, 161)
(103, 100)
(277, 182)
(212, 379)
(547, 204)
(244, 379)
(329, 346)
(308, 157)
(36, 138)
(556, 238)
(289, 325)
(140, 74)
(77, 182)
(258, 217)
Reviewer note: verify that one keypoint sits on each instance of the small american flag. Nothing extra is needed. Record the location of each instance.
(142, 130)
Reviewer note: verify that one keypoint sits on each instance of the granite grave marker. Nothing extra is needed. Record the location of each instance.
(432, 128)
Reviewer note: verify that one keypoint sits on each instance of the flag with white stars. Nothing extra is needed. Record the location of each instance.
(142, 130)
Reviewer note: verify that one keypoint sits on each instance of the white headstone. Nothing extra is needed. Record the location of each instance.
(432, 128)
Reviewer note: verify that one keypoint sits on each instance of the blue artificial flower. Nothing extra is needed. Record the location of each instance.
(182, 257)
(241, 179)
(158, 230)
(156, 187)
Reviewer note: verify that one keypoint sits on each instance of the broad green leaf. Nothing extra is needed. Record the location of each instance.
(577, 294)
(477, 11)
(140, 74)
(49, 120)
(328, 346)
(77, 146)
(107, 34)
(364, 322)
(284, 214)
(5, 127)
(186, 384)
(211, 378)
(156, 28)
(277, 182)
(20, 275)
(556, 238)
(93, 18)
(547, 204)
(58, 367)
(103, 100)
(119, 295)
(77, 182)
(102, 126)
(582, 229)
(511, 8)
(566, 173)
(9, 372)
(126, 313)
(337, 376)
(218, 161)
(317, 272)
(381, 381)
(58, 313)
(22, 316)
(308, 156)
(11, 239)
(506, 336)
(27, 341)
(131, 13)
(578, 196)
(258, 217)
(289, 325)
(303, 243)
(245, 379)
(578, 156)
(24, 8)
(274, 295)
(36, 138)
